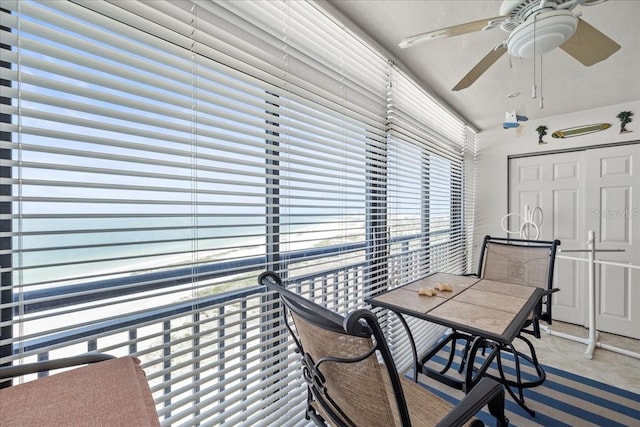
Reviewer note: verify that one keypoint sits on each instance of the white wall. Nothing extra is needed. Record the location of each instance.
(495, 146)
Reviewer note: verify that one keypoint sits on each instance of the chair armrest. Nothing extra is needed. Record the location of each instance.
(49, 365)
(537, 311)
(487, 391)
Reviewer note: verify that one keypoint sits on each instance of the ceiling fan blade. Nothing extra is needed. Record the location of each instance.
(456, 30)
(588, 45)
(480, 68)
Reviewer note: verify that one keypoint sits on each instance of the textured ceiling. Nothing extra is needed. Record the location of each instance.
(567, 85)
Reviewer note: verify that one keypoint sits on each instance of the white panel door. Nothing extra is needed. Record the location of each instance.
(613, 203)
(554, 183)
(596, 189)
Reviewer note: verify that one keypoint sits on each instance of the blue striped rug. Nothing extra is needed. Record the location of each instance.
(564, 399)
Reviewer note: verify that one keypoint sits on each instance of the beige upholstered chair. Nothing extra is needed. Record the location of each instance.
(352, 379)
(107, 392)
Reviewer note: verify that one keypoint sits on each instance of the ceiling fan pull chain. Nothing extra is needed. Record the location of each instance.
(541, 105)
(533, 88)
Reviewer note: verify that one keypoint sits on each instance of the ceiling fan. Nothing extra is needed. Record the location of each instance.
(535, 27)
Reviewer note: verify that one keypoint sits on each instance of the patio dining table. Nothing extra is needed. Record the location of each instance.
(485, 314)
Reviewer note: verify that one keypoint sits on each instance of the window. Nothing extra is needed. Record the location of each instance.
(426, 159)
(160, 155)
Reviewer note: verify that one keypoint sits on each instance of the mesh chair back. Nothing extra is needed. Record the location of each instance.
(525, 262)
(355, 390)
(524, 265)
(342, 363)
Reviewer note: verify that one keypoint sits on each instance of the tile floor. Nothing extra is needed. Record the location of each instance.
(606, 366)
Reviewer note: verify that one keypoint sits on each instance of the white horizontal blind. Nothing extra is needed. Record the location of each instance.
(426, 154)
(331, 148)
(163, 154)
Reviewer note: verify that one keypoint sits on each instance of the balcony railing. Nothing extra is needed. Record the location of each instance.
(224, 359)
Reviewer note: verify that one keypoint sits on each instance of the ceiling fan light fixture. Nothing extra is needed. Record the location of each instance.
(542, 33)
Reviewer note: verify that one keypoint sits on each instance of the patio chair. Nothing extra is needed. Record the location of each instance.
(524, 262)
(352, 379)
(108, 391)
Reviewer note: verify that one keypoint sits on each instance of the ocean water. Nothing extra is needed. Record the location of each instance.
(56, 250)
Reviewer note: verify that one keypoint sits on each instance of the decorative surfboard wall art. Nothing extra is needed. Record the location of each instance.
(580, 130)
